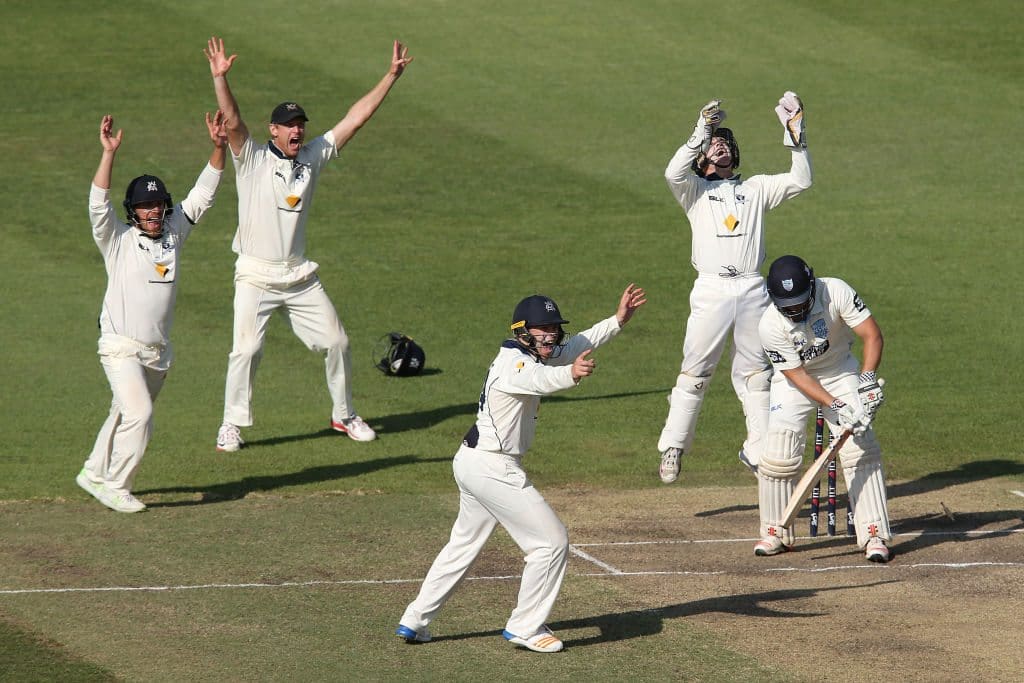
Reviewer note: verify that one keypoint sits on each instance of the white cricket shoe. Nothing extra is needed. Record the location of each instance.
(229, 438)
(355, 427)
(877, 551)
(122, 502)
(669, 469)
(93, 488)
(541, 641)
(770, 545)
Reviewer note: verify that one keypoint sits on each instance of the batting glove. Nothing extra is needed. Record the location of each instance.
(851, 417)
(791, 114)
(709, 118)
(871, 395)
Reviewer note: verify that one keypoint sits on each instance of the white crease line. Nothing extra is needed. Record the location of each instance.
(820, 537)
(354, 582)
(1018, 493)
(589, 558)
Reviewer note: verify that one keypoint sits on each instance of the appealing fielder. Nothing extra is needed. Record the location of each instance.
(494, 488)
(726, 216)
(275, 183)
(141, 259)
(808, 335)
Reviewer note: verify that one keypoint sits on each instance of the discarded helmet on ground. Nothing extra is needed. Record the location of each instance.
(397, 354)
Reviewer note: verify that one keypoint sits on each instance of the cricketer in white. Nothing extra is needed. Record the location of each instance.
(808, 335)
(275, 184)
(726, 216)
(141, 259)
(494, 488)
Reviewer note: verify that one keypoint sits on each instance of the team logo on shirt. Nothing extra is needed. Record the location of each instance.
(731, 222)
(820, 328)
(858, 303)
(775, 356)
(161, 269)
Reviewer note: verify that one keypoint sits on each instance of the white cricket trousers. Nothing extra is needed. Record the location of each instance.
(313, 319)
(123, 438)
(717, 305)
(494, 489)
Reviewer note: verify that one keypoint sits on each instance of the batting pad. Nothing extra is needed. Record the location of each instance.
(780, 463)
(866, 486)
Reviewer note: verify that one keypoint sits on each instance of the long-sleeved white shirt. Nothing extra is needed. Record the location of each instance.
(506, 420)
(727, 216)
(142, 273)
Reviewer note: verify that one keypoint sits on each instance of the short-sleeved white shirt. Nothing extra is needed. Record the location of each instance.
(824, 339)
(506, 420)
(275, 194)
(142, 273)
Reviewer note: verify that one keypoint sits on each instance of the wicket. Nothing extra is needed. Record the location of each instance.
(819, 441)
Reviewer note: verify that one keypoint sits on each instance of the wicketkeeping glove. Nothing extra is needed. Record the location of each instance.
(791, 114)
(709, 118)
(870, 391)
(851, 417)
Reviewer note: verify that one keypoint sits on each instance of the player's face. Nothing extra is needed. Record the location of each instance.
(797, 313)
(150, 216)
(288, 137)
(545, 339)
(719, 154)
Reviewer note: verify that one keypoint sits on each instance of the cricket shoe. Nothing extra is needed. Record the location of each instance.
(877, 551)
(122, 502)
(669, 469)
(229, 438)
(411, 636)
(94, 489)
(355, 427)
(770, 545)
(541, 641)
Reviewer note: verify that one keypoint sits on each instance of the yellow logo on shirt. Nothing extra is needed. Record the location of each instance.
(519, 365)
(292, 200)
(731, 222)
(161, 269)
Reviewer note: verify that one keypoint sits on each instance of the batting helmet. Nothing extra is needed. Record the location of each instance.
(699, 164)
(537, 311)
(791, 287)
(399, 355)
(146, 188)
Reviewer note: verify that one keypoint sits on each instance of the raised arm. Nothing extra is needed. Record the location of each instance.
(219, 137)
(360, 112)
(220, 64)
(110, 144)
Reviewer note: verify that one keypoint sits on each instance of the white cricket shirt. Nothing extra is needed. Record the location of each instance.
(506, 420)
(274, 197)
(824, 339)
(727, 216)
(142, 274)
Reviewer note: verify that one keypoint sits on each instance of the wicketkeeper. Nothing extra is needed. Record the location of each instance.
(726, 216)
(808, 334)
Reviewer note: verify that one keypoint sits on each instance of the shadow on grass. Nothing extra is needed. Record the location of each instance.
(422, 419)
(977, 470)
(234, 490)
(639, 623)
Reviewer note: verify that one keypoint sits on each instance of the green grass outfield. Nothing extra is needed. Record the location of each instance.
(522, 151)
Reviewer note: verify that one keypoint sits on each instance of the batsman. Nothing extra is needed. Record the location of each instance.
(808, 334)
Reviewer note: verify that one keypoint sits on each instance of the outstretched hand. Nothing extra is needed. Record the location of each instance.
(583, 366)
(632, 298)
(220, 63)
(109, 141)
(218, 131)
(400, 59)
